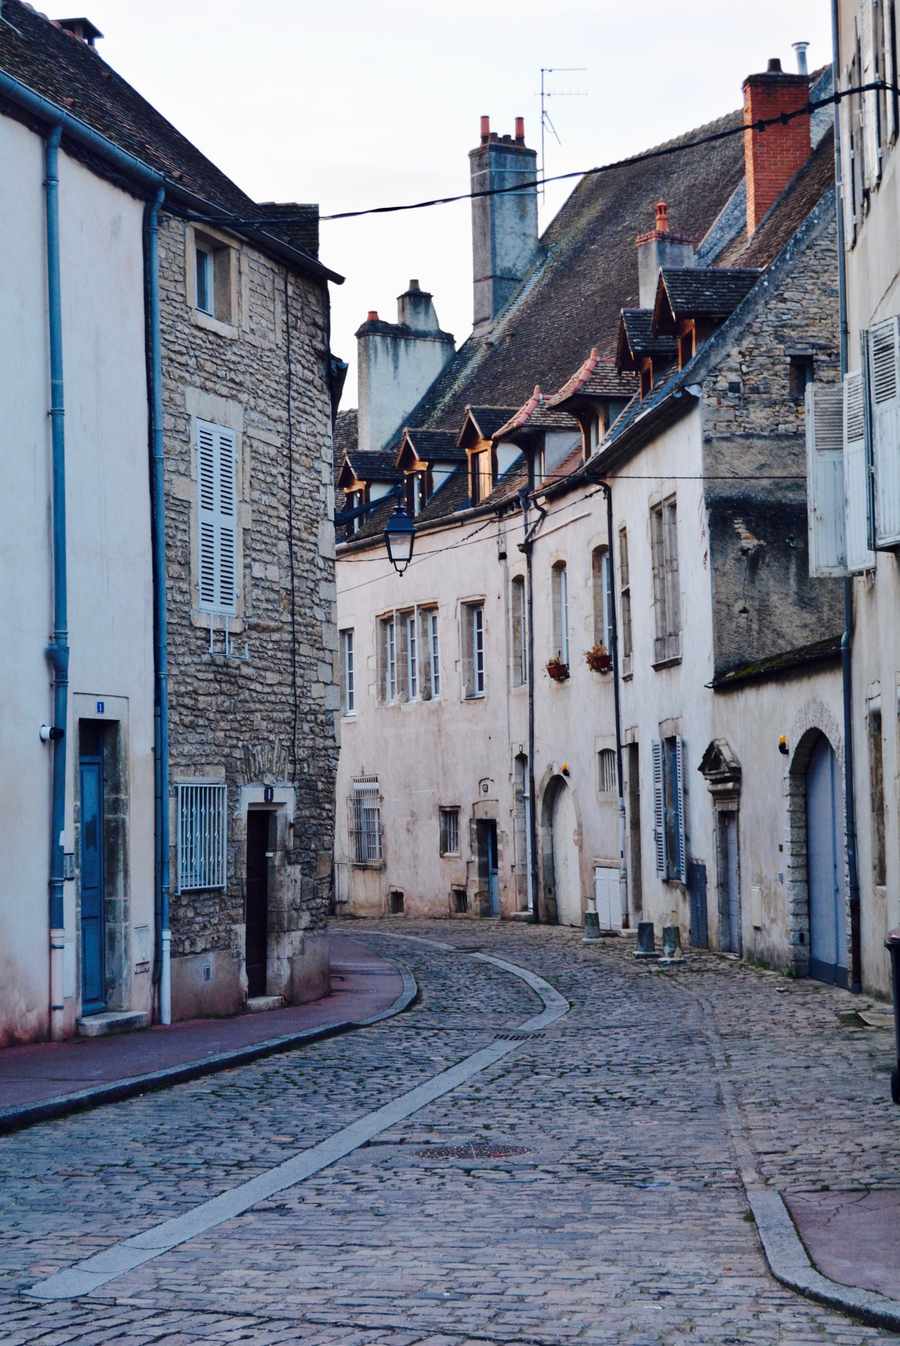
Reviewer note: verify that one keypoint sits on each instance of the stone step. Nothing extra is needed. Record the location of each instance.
(258, 1003)
(112, 1021)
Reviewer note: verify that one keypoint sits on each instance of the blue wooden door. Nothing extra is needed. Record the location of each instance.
(493, 875)
(93, 991)
(828, 929)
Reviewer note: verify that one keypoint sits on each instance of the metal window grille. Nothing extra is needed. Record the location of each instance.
(365, 820)
(606, 767)
(449, 831)
(202, 835)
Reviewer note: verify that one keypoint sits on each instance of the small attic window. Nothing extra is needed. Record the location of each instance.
(801, 371)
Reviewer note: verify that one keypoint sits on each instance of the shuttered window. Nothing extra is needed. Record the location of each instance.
(217, 517)
(856, 477)
(202, 835)
(669, 820)
(825, 479)
(666, 580)
(884, 392)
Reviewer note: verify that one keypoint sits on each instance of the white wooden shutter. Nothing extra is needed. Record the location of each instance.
(888, 37)
(659, 808)
(884, 386)
(825, 502)
(680, 865)
(217, 517)
(856, 493)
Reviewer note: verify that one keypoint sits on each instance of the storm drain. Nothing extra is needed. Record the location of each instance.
(476, 1149)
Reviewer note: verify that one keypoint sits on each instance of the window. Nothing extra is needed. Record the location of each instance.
(213, 262)
(202, 835)
(519, 617)
(666, 591)
(482, 473)
(365, 821)
(473, 650)
(205, 281)
(801, 371)
(449, 820)
(625, 597)
(607, 778)
(217, 532)
(669, 832)
(876, 785)
(601, 596)
(348, 687)
(387, 653)
(410, 657)
(416, 494)
(434, 651)
(520, 830)
(559, 586)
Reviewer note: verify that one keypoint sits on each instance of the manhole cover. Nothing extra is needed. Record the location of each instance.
(475, 1150)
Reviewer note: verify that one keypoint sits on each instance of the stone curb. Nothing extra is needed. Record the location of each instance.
(16, 1119)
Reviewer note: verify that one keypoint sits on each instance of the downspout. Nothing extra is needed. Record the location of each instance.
(160, 621)
(58, 649)
(617, 705)
(526, 546)
(847, 635)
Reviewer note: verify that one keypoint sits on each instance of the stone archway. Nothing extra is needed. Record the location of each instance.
(561, 853)
(816, 737)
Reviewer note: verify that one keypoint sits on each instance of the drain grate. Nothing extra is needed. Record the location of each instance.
(476, 1149)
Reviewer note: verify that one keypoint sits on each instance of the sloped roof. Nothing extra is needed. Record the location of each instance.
(62, 68)
(378, 465)
(486, 420)
(535, 415)
(707, 292)
(637, 337)
(596, 377)
(435, 446)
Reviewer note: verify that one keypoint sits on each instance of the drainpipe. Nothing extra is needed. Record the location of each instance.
(160, 622)
(58, 649)
(847, 635)
(526, 546)
(614, 653)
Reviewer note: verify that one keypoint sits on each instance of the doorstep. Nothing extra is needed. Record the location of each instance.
(112, 1021)
(258, 1004)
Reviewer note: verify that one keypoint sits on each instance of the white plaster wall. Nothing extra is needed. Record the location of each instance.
(110, 611)
(873, 293)
(394, 372)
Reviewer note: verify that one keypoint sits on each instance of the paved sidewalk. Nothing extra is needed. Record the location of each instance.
(50, 1079)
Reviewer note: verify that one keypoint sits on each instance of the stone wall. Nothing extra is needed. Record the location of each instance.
(260, 712)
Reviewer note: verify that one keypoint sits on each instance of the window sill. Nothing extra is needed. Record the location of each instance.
(672, 660)
(348, 714)
(367, 864)
(451, 855)
(474, 696)
(211, 324)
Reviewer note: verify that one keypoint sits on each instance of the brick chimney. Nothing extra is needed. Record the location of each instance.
(505, 227)
(657, 249)
(773, 156)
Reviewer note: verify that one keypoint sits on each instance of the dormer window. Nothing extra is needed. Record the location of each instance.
(687, 343)
(416, 493)
(482, 474)
(646, 377)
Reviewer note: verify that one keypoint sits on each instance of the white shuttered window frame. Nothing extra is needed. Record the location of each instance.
(217, 511)
(856, 477)
(826, 503)
(883, 343)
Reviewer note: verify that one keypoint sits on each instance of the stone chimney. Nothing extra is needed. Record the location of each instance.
(81, 28)
(657, 249)
(398, 362)
(773, 156)
(504, 227)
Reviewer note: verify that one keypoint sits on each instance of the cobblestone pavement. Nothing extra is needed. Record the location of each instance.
(610, 1212)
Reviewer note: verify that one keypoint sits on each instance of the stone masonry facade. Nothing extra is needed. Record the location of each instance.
(252, 705)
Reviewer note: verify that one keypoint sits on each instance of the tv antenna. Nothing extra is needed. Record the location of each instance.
(554, 93)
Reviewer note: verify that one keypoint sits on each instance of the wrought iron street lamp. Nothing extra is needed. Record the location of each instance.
(399, 536)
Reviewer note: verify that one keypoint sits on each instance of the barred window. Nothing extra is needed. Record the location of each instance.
(202, 835)
(449, 831)
(606, 771)
(365, 820)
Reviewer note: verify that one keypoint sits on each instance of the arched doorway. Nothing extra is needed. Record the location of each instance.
(828, 953)
(562, 870)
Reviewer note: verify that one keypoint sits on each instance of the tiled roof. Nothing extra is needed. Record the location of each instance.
(596, 377)
(372, 466)
(488, 420)
(62, 68)
(534, 414)
(709, 292)
(435, 446)
(637, 328)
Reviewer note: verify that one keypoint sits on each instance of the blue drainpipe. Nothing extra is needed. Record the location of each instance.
(160, 622)
(58, 649)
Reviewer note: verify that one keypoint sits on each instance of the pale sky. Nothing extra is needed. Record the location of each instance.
(353, 104)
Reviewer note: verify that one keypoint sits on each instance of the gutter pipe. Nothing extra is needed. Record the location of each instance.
(160, 617)
(58, 650)
(617, 703)
(847, 636)
(526, 546)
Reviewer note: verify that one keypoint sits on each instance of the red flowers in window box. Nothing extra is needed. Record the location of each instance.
(557, 669)
(598, 658)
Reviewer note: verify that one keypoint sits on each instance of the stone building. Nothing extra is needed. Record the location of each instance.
(631, 435)
(187, 776)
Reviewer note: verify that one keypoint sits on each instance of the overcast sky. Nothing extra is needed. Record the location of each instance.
(357, 104)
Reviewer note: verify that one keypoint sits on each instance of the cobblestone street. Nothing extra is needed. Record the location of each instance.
(585, 1188)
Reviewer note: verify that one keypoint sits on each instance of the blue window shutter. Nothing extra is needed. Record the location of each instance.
(680, 865)
(659, 809)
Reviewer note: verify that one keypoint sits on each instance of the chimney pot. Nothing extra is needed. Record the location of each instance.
(662, 217)
(372, 315)
(485, 130)
(774, 66)
(801, 49)
(520, 130)
(414, 285)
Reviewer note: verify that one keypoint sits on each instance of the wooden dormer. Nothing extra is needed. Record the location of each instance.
(476, 441)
